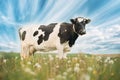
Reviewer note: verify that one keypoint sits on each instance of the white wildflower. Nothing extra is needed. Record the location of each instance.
(82, 61)
(111, 62)
(69, 69)
(51, 79)
(50, 57)
(21, 58)
(45, 63)
(63, 77)
(98, 58)
(22, 65)
(29, 62)
(68, 61)
(76, 69)
(85, 77)
(89, 68)
(77, 64)
(56, 56)
(44, 58)
(107, 59)
(4, 60)
(115, 59)
(37, 65)
(65, 73)
(75, 58)
(28, 70)
(86, 56)
(57, 66)
(16, 57)
(59, 76)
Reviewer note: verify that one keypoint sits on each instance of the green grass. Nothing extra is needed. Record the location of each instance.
(48, 67)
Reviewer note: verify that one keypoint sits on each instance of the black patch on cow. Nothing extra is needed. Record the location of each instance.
(23, 35)
(79, 27)
(35, 33)
(66, 33)
(47, 29)
(42, 27)
(40, 39)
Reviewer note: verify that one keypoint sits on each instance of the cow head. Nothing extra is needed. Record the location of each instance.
(79, 25)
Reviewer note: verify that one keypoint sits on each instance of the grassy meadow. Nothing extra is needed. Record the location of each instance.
(49, 67)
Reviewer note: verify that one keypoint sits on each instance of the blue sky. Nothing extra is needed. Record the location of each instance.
(103, 33)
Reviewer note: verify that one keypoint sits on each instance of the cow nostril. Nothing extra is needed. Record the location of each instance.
(82, 33)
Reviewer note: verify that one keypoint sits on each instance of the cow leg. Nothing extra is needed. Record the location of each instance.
(66, 49)
(24, 52)
(65, 55)
(60, 51)
(31, 50)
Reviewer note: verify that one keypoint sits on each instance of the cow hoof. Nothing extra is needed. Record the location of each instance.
(64, 56)
(24, 57)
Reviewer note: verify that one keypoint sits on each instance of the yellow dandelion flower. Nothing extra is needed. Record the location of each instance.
(94, 72)
(112, 74)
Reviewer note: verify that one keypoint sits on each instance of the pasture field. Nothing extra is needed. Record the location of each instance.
(49, 67)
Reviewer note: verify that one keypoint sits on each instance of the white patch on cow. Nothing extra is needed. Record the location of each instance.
(80, 19)
(50, 44)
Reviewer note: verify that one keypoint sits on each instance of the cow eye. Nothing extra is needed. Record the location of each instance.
(83, 21)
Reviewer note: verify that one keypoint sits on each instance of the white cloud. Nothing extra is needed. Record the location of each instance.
(8, 20)
(9, 46)
(99, 40)
(58, 11)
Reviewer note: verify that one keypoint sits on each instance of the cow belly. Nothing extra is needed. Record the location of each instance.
(46, 46)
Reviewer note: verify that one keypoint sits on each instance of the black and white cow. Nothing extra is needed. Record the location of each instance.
(60, 36)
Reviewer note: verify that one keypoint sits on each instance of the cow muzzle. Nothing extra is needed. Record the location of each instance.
(82, 32)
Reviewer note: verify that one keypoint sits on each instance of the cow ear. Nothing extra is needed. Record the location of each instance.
(73, 21)
(87, 21)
